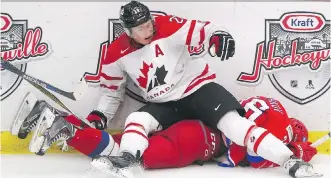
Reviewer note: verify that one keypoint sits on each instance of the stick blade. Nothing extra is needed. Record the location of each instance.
(81, 88)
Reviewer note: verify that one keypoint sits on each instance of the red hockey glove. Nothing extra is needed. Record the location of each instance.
(303, 150)
(221, 44)
(97, 118)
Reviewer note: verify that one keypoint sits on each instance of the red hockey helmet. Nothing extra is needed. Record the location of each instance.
(300, 131)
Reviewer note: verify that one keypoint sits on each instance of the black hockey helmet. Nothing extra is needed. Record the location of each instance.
(134, 14)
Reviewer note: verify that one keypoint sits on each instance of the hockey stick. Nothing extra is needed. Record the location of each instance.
(52, 97)
(72, 95)
(56, 100)
(321, 140)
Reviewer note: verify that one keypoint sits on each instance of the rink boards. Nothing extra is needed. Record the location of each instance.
(12, 145)
(282, 51)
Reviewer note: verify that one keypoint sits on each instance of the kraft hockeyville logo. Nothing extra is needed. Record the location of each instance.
(295, 55)
(19, 45)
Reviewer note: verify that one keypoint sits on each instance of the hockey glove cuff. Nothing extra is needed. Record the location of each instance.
(98, 119)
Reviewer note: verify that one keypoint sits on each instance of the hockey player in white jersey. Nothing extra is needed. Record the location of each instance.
(153, 53)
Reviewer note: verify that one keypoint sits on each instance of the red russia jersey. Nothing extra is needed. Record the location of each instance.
(181, 145)
(267, 113)
(163, 69)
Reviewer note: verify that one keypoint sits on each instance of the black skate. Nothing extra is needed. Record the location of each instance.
(125, 160)
(297, 168)
(30, 122)
(121, 166)
(51, 128)
(29, 114)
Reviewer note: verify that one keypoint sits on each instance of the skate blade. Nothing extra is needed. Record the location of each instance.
(111, 170)
(119, 173)
(315, 175)
(26, 107)
(45, 122)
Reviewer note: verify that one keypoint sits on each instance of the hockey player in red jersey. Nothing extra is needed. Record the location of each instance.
(271, 115)
(153, 53)
(182, 144)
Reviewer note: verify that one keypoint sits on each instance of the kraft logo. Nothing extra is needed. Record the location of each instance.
(302, 21)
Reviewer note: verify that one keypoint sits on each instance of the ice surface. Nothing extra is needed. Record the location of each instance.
(78, 166)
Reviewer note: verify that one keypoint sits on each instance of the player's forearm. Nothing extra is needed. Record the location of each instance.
(109, 103)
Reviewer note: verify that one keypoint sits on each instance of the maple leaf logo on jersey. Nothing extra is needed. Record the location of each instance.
(142, 80)
(158, 78)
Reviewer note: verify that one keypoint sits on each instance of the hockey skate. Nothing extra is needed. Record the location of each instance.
(28, 115)
(51, 128)
(297, 168)
(123, 166)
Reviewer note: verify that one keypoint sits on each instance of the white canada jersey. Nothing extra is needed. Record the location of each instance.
(163, 69)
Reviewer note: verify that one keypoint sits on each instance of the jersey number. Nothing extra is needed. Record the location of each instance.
(177, 19)
(257, 111)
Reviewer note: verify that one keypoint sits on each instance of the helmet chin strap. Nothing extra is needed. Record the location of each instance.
(135, 44)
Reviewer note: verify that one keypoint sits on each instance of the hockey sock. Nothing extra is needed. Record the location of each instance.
(134, 138)
(245, 133)
(93, 142)
(137, 127)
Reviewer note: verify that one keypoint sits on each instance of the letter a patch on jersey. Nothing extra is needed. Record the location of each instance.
(158, 51)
